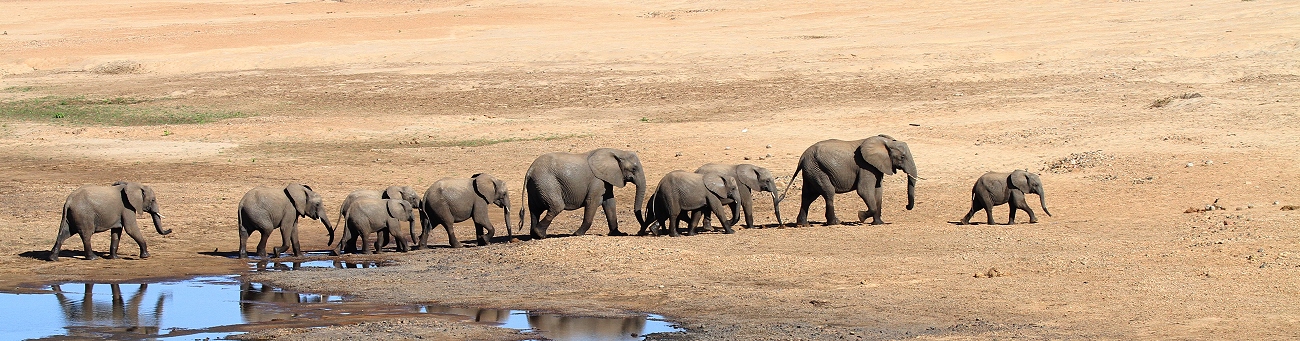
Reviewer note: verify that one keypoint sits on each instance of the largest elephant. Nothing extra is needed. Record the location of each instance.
(833, 166)
(92, 209)
(558, 182)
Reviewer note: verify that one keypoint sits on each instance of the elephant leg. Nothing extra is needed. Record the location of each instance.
(806, 198)
(115, 236)
(58, 244)
(261, 244)
(747, 204)
(974, 207)
(366, 242)
(347, 234)
(704, 221)
(243, 242)
(293, 240)
(673, 221)
(444, 215)
(539, 228)
(870, 191)
(831, 219)
(134, 232)
(1018, 202)
(483, 228)
(425, 227)
(611, 214)
(85, 242)
(592, 204)
(718, 211)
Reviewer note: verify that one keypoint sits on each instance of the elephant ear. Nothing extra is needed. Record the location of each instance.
(1019, 179)
(876, 153)
(486, 187)
(747, 175)
(132, 195)
(605, 164)
(398, 208)
(298, 195)
(717, 185)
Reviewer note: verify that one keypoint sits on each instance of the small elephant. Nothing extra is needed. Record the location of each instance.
(366, 216)
(450, 201)
(558, 182)
(749, 178)
(680, 191)
(833, 166)
(392, 192)
(993, 189)
(93, 209)
(264, 209)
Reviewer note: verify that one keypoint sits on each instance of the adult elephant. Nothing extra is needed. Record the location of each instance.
(749, 178)
(264, 209)
(93, 209)
(558, 182)
(832, 166)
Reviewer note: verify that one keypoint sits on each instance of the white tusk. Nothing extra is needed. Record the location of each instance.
(914, 177)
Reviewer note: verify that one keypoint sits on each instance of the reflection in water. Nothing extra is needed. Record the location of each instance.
(270, 265)
(216, 306)
(564, 328)
(86, 316)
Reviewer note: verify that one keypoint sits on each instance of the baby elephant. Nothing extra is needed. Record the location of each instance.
(681, 192)
(92, 209)
(366, 216)
(450, 201)
(264, 209)
(995, 189)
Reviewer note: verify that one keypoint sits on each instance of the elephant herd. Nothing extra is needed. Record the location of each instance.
(554, 183)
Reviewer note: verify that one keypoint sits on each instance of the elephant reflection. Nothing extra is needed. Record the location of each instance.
(479, 315)
(119, 313)
(587, 328)
(260, 302)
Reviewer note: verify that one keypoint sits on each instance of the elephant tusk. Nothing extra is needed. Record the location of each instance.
(914, 177)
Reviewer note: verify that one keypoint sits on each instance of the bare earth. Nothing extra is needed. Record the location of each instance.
(345, 95)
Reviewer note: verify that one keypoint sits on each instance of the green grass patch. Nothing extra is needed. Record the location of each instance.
(115, 111)
(19, 88)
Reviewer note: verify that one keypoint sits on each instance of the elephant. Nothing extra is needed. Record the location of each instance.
(366, 216)
(749, 178)
(993, 189)
(450, 201)
(558, 182)
(681, 191)
(833, 166)
(93, 209)
(264, 209)
(392, 192)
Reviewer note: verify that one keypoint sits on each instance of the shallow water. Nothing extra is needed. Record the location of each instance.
(219, 306)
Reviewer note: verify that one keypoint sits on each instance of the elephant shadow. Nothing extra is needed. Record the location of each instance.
(45, 254)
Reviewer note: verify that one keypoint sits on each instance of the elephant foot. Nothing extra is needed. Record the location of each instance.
(92, 257)
(877, 222)
(1033, 221)
(114, 256)
(54, 257)
(457, 245)
(833, 221)
(617, 233)
(143, 255)
(728, 231)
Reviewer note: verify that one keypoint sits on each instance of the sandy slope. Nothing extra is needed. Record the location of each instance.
(363, 94)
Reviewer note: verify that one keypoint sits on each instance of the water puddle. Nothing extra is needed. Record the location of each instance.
(271, 265)
(215, 307)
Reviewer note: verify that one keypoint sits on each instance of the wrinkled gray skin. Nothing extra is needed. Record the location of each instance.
(993, 189)
(558, 182)
(264, 209)
(366, 216)
(93, 209)
(680, 192)
(450, 201)
(392, 192)
(749, 178)
(833, 166)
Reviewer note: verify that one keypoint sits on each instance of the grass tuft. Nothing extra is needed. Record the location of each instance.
(114, 111)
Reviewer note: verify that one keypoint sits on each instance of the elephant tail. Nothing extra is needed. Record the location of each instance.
(65, 227)
(792, 176)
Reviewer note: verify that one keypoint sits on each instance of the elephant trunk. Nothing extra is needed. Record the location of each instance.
(776, 207)
(324, 219)
(1042, 200)
(157, 224)
(639, 181)
(509, 226)
(910, 169)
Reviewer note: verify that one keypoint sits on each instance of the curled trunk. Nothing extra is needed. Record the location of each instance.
(776, 207)
(157, 224)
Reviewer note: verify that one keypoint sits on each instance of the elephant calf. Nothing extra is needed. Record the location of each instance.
(995, 189)
(264, 209)
(366, 216)
(450, 201)
(93, 209)
(680, 192)
(749, 178)
(392, 192)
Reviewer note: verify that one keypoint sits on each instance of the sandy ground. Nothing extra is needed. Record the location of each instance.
(345, 95)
